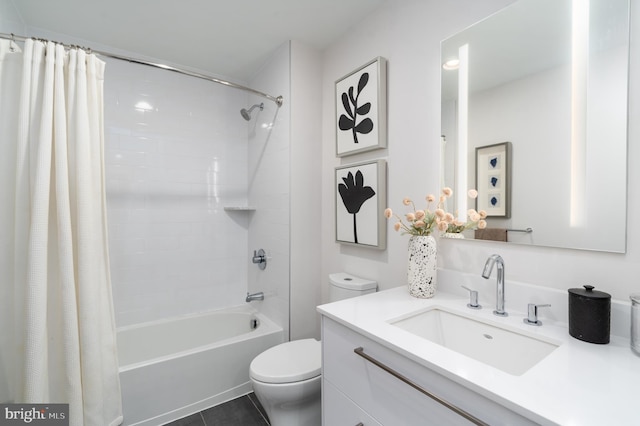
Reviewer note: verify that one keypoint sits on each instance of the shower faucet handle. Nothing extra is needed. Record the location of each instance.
(260, 258)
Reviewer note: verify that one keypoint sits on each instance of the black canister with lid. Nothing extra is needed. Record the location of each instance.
(589, 314)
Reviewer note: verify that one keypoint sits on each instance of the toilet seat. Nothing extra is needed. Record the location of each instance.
(288, 362)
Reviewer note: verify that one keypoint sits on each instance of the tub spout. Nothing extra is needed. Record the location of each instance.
(254, 296)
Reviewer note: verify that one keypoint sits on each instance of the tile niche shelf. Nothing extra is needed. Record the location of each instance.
(242, 208)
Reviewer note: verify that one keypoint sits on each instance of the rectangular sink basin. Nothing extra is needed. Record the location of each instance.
(509, 351)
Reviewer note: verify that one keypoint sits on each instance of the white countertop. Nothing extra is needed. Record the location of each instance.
(579, 383)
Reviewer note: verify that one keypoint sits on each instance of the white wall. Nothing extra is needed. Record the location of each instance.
(269, 188)
(408, 34)
(306, 210)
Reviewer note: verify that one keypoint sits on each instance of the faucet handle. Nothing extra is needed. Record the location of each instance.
(260, 258)
(473, 298)
(532, 314)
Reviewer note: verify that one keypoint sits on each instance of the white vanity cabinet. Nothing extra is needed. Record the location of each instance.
(356, 390)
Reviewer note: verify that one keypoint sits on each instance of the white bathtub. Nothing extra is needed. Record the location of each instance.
(172, 368)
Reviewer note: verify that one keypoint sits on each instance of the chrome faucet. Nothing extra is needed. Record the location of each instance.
(486, 273)
(254, 296)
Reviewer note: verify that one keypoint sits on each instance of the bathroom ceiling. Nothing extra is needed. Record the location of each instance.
(229, 38)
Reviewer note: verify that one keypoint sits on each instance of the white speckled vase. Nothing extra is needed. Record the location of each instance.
(421, 274)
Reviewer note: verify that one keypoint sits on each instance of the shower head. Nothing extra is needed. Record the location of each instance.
(246, 114)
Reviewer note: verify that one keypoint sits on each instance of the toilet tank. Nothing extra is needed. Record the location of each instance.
(344, 286)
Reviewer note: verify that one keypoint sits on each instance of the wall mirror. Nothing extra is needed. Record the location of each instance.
(550, 77)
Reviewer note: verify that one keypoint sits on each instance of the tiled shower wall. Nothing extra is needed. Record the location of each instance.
(176, 154)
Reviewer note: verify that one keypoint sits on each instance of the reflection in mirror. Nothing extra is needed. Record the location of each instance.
(551, 78)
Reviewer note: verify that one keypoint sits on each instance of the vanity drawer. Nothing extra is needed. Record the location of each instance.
(388, 399)
(337, 409)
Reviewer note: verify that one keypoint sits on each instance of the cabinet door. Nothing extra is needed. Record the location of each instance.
(391, 401)
(340, 410)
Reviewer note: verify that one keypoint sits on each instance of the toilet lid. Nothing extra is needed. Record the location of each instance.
(288, 362)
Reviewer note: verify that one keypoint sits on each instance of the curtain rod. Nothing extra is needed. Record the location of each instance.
(277, 99)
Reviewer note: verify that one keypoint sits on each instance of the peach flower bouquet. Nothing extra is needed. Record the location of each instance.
(426, 221)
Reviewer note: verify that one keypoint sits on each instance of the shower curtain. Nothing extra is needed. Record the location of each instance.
(57, 290)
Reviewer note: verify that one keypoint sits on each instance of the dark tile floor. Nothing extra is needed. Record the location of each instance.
(243, 411)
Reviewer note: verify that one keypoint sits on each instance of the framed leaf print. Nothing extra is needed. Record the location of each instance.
(360, 202)
(361, 109)
(493, 179)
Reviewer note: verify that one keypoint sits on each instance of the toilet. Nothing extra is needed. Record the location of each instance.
(286, 378)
